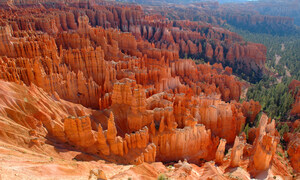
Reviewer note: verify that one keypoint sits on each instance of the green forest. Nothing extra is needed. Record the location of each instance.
(287, 47)
(275, 99)
(283, 62)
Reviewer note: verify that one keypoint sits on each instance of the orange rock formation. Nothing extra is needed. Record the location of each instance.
(127, 97)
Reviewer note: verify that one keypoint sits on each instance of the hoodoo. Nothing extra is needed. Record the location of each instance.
(114, 88)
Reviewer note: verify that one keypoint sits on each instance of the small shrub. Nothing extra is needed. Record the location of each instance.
(283, 129)
(279, 154)
(286, 154)
(162, 177)
(246, 130)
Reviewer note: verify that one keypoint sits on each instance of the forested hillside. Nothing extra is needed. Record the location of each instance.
(283, 63)
(283, 52)
(276, 100)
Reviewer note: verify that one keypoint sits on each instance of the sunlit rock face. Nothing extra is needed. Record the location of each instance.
(293, 144)
(107, 81)
(293, 151)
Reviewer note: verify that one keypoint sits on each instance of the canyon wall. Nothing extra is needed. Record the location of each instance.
(108, 81)
(184, 38)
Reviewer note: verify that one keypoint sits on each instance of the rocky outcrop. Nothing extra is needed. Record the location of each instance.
(79, 131)
(110, 70)
(131, 98)
(293, 151)
(184, 38)
(259, 17)
(30, 109)
(293, 145)
(220, 151)
(184, 166)
(251, 109)
(223, 119)
(258, 22)
(265, 144)
(237, 151)
(239, 57)
(43, 116)
(200, 146)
